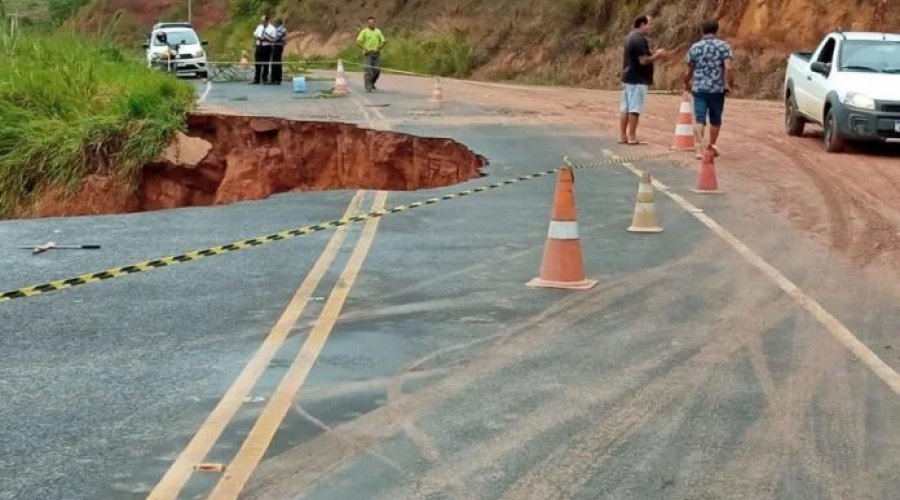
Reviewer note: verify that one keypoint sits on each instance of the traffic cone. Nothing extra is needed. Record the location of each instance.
(244, 63)
(340, 80)
(707, 183)
(563, 263)
(644, 220)
(437, 93)
(684, 129)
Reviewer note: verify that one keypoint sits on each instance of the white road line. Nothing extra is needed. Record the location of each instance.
(362, 103)
(841, 333)
(359, 103)
(205, 92)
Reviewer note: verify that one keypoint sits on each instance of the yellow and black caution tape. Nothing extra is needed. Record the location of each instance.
(501, 84)
(595, 164)
(150, 265)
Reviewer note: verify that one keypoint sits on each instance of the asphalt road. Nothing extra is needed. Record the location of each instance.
(686, 374)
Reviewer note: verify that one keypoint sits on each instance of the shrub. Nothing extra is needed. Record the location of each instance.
(432, 53)
(93, 112)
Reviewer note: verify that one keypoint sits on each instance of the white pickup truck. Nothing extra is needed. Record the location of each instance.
(850, 85)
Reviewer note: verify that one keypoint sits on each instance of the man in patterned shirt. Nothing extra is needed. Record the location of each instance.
(710, 78)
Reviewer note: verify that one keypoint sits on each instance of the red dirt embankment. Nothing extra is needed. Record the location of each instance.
(225, 159)
(566, 42)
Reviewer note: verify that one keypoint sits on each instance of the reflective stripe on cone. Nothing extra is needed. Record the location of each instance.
(563, 262)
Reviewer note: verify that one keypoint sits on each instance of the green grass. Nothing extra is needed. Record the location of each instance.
(437, 53)
(70, 108)
(228, 40)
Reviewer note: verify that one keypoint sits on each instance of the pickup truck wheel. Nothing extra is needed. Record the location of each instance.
(834, 143)
(793, 122)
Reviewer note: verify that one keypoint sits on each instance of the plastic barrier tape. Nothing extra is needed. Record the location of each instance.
(150, 265)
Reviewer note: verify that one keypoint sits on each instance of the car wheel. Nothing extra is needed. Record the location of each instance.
(204, 75)
(834, 143)
(793, 122)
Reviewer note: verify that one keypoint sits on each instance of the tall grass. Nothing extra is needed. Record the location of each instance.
(439, 53)
(228, 40)
(70, 108)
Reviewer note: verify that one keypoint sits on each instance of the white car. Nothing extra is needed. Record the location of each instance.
(850, 85)
(182, 40)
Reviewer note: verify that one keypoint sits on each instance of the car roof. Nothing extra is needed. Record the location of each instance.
(864, 35)
(159, 26)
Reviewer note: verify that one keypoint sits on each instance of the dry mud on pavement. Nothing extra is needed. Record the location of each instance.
(847, 200)
(429, 370)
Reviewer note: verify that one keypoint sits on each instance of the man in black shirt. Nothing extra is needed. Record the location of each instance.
(637, 76)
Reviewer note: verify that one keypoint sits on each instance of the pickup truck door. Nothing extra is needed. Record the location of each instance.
(816, 85)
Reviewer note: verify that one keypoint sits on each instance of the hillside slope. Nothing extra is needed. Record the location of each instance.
(543, 41)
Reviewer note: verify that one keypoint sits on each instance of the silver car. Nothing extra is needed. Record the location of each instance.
(183, 52)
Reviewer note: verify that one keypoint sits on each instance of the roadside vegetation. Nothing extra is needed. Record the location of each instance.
(431, 51)
(567, 42)
(70, 107)
(438, 53)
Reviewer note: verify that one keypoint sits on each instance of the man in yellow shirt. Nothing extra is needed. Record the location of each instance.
(371, 41)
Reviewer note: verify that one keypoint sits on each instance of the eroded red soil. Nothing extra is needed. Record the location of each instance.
(225, 159)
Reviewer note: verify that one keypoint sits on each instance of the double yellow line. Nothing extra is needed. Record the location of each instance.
(237, 473)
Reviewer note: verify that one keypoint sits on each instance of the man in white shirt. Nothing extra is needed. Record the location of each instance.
(264, 36)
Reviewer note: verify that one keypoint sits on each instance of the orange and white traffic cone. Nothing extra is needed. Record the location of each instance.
(707, 182)
(340, 80)
(644, 220)
(563, 263)
(437, 93)
(684, 128)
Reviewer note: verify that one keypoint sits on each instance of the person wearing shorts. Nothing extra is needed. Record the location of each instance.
(637, 76)
(709, 78)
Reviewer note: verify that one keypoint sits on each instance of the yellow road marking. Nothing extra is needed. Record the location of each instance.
(251, 453)
(181, 470)
(838, 331)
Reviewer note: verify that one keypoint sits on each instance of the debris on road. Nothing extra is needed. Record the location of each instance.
(50, 245)
(210, 468)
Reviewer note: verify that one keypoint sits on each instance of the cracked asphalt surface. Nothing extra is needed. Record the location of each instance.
(685, 374)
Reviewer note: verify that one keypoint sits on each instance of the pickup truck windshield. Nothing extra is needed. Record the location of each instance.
(180, 37)
(873, 56)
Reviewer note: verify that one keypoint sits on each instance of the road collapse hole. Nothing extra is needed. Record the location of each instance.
(224, 159)
(252, 158)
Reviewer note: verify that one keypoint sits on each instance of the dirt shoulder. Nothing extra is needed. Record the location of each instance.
(849, 201)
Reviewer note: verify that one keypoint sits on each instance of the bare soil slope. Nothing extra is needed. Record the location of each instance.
(558, 41)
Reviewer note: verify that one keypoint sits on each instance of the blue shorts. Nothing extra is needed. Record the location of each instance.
(709, 103)
(633, 98)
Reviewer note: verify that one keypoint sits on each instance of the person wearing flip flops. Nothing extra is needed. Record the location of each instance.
(637, 76)
(709, 77)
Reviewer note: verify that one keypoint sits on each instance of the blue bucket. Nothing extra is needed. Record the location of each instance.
(300, 84)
